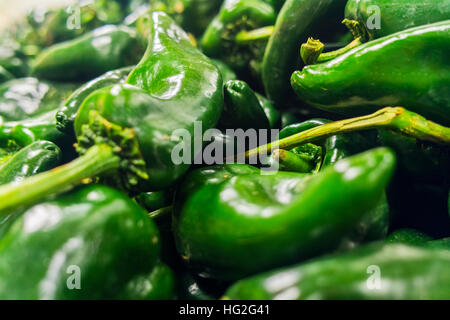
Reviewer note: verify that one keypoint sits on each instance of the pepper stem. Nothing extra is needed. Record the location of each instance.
(291, 162)
(396, 119)
(311, 51)
(97, 160)
(245, 37)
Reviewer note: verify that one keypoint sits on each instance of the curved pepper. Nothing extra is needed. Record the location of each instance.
(31, 160)
(385, 72)
(233, 225)
(219, 39)
(392, 16)
(406, 273)
(24, 98)
(93, 232)
(106, 48)
(67, 113)
(297, 20)
(125, 130)
(159, 284)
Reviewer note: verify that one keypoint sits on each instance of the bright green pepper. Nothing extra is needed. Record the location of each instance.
(385, 72)
(31, 160)
(107, 48)
(404, 273)
(192, 15)
(66, 115)
(230, 222)
(393, 17)
(94, 232)
(159, 284)
(28, 97)
(125, 131)
(219, 39)
(297, 20)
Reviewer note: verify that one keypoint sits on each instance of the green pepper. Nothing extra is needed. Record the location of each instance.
(28, 97)
(152, 201)
(124, 131)
(107, 48)
(392, 17)
(66, 115)
(409, 236)
(227, 73)
(384, 72)
(230, 222)
(159, 284)
(272, 114)
(219, 39)
(31, 160)
(242, 108)
(381, 272)
(192, 15)
(5, 75)
(12, 58)
(94, 233)
(297, 20)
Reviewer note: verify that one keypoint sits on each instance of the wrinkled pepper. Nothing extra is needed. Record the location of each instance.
(407, 273)
(126, 245)
(229, 221)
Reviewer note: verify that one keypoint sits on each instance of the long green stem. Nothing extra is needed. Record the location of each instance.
(311, 51)
(397, 119)
(245, 37)
(98, 159)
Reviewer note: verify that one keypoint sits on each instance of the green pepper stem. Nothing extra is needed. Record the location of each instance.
(291, 162)
(396, 119)
(98, 159)
(311, 51)
(245, 37)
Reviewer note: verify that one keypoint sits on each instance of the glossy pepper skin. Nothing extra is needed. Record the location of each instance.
(38, 157)
(25, 98)
(219, 39)
(152, 201)
(407, 273)
(106, 48)
(242, 108)
(96, 228)
(230, 223)
(157, 105)
(227, 73)
(385, 72)
(192, 15)
(159, 284)
(394, 16)
(68, 112)
(297, 20)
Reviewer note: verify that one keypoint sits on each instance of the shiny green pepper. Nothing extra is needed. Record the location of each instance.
(373, 19)
(152, 201)
(380, 272)
(159, 284)
(93, 238)
(232, 221)
(297, 20)
(67, 113)
(106, 48)
(219, 40)
(38, 157)
(125, 130)
(385, 72)
(24, 98)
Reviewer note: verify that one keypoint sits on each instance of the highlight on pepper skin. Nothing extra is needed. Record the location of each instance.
(226, 150)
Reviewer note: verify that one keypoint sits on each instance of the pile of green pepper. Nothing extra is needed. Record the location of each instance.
(93, 204)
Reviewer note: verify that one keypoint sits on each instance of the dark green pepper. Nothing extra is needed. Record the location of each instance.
(86, 244)
(273, 115)
(219, 39)
(227, 73)
(372, 19)
(31, 160)
(232, 221)
(385, 72)
(159, 284)
(152, 201)
(383, 272)
(107, 48)
(28, 97)
(297, 20)
(66, 115)
(125, 130)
